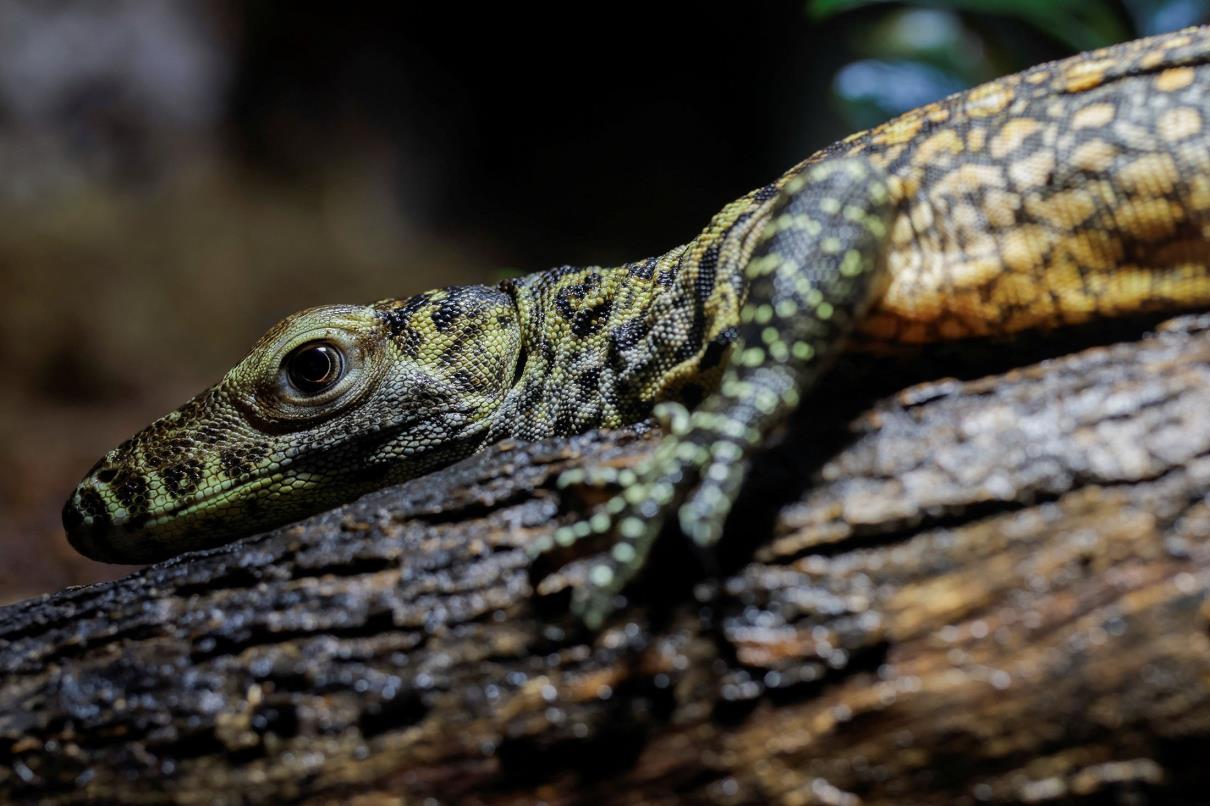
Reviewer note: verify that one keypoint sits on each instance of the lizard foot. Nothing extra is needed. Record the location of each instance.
(633, 518)
(813, 271)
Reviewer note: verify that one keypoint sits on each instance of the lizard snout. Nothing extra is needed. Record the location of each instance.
(86, 523)
(91, 516)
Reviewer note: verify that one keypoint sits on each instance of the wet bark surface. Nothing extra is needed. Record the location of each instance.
(969, 591)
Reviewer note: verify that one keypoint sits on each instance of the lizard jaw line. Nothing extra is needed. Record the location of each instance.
(98, 539)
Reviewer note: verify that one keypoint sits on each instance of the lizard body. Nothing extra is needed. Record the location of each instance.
(1073, 191)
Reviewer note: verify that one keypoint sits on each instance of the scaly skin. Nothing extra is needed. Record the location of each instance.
(1073, 191)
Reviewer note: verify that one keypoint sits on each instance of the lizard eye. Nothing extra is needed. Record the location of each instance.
(314, 367)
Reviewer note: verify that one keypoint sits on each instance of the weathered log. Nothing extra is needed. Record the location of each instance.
(984, 591)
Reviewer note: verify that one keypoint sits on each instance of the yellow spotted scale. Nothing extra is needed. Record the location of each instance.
(1073, 191)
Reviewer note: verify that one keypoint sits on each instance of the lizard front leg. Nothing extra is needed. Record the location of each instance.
(817, 265)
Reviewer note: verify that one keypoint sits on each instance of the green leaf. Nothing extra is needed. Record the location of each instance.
(1081, 24)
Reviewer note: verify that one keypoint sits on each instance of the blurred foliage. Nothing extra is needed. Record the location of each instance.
(917, 52)
(1081, 24)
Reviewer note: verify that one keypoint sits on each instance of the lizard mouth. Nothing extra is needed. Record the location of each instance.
(298, 487)
(101, 534)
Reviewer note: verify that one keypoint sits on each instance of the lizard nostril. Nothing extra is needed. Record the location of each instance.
(72, 517)
(107, 475)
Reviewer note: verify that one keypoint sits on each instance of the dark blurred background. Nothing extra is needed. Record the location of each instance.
(177, 175)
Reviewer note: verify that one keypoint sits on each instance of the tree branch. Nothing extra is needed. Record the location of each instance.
(982, 591)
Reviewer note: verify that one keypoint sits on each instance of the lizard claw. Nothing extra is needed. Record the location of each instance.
(632, 519)
(599, 523)
(702, 516)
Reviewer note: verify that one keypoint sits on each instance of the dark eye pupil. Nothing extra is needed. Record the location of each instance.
(314, 367)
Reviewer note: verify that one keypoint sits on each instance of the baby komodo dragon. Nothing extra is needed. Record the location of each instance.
(1072, 191)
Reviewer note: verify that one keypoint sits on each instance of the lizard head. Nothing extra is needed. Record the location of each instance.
(332, 402)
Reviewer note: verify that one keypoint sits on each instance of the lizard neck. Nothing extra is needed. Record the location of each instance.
(573, 332)
(602, 346)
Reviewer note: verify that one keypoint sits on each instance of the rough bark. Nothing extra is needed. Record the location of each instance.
(991, 590)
